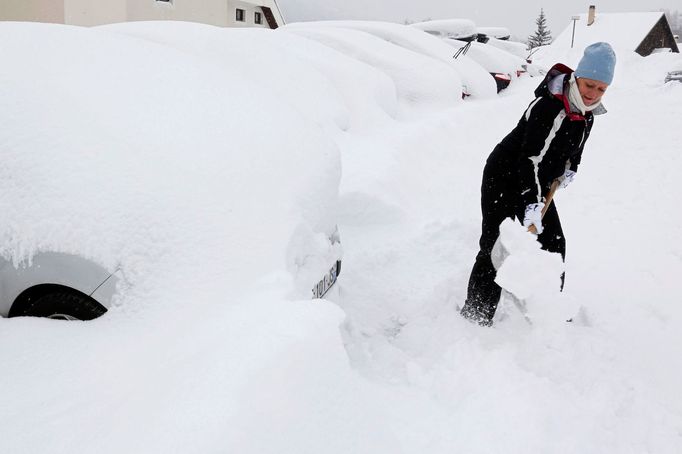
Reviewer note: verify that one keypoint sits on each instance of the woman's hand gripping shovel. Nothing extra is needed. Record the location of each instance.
(502, 251)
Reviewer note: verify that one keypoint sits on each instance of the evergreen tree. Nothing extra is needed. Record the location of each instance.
(543, 35)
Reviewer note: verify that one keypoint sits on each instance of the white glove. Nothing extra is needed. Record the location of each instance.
(566, 178)
(534, 216)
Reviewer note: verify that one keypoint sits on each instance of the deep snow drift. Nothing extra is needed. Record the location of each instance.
(198, 363)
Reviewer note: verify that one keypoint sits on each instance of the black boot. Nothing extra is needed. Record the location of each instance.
(472, 314)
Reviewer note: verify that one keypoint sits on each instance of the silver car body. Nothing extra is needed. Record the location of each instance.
(66, 270)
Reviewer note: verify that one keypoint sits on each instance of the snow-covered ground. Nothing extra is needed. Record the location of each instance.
(388, 366)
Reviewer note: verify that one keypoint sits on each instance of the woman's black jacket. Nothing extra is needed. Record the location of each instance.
(547, 140)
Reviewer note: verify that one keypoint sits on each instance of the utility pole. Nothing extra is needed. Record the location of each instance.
(574, 19)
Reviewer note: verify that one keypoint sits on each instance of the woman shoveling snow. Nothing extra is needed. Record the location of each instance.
(546, 145)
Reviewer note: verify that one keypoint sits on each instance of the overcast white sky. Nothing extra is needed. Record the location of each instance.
(518, 16)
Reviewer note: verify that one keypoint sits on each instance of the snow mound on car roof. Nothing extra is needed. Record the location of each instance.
(307, 72)
(452, 28)
(421, 83)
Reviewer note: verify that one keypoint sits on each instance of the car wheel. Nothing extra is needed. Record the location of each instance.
(63, 305)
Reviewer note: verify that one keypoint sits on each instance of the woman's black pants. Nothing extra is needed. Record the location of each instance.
(500, 200)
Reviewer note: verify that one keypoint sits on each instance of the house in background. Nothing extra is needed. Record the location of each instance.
(644, 33)
(223, 13)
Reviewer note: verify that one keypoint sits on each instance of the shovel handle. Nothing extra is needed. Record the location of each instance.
(548, 201)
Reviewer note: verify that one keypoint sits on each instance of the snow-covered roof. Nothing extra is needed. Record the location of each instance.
(622, 30)
(451, 28)
(494, 32)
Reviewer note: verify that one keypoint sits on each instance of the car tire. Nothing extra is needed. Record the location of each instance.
(64, 305)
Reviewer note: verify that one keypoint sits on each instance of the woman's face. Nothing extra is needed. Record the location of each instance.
(591, 90)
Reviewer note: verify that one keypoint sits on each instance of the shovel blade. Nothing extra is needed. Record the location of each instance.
(499, 253)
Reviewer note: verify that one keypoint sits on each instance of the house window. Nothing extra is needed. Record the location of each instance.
(257, 18)
(241, 16)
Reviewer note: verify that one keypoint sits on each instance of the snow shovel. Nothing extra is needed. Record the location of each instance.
(500, 253)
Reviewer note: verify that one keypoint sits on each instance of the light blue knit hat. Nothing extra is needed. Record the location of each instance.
(598, 63)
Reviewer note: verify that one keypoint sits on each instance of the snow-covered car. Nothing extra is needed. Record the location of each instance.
(475, 82)
(513, 47)
(419, 81)
(133, 170)
(503, 66)
(498, 33)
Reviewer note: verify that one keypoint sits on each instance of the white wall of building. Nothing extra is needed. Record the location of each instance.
(32, 10)
(93, 12)
(250, 9)
(96, 12)
(212, 12)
